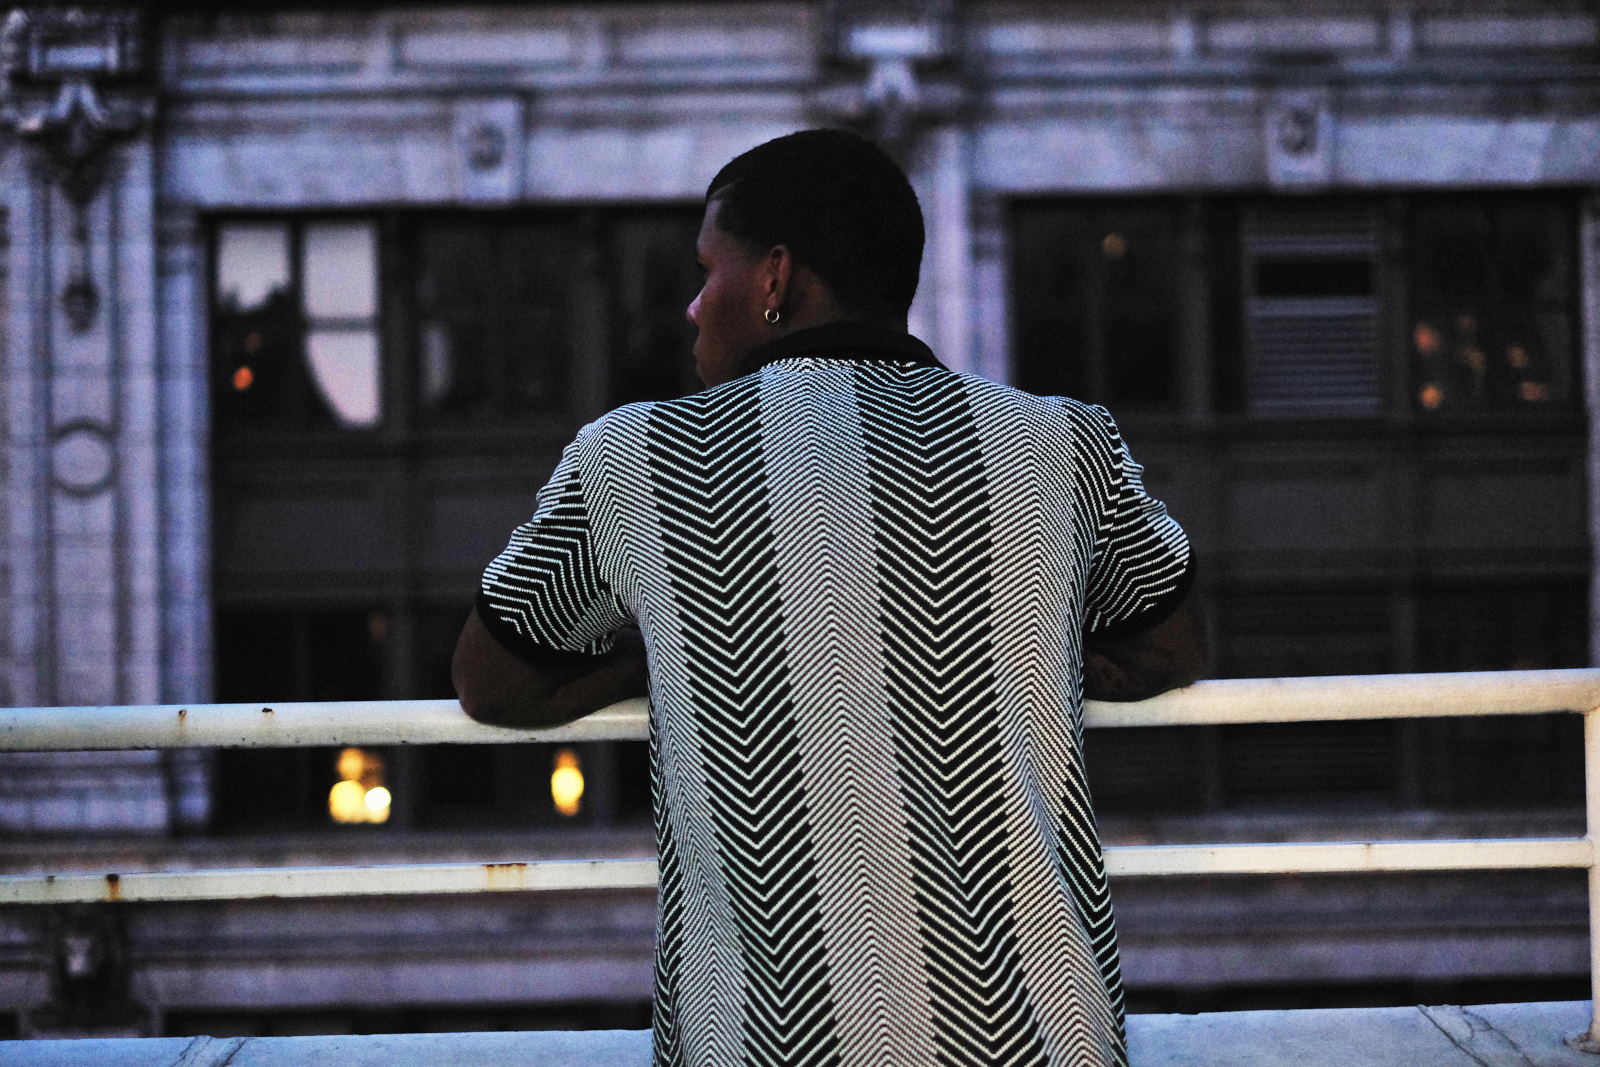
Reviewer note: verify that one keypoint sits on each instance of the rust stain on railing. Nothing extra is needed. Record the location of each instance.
(507, 875)
(113, 887)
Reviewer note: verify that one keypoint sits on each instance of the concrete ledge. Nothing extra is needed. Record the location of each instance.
(1494, 1035)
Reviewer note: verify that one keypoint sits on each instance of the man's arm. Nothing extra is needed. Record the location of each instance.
(1169, 655)
(502, 689)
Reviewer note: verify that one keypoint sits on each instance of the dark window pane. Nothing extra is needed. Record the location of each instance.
(492, 329)
(1493, 303)
(1096, 305)
(1313, 278)
(1304, 634)
(1145, 771)
(1295, 635)
(256, 325)
(1222, 278)
(1505, 760)
(272, 655)
(654, 279)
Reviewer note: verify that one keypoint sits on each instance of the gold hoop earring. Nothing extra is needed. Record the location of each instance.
(771, 315)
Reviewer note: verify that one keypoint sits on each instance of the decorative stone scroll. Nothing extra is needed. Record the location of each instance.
(51, 62)
(890, 67)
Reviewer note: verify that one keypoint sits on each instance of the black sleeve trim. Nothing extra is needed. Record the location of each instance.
(1157, 613)
(531, 652)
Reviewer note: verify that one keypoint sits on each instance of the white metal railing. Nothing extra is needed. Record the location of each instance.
(421, 722)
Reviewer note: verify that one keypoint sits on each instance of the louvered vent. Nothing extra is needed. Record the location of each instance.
(1312, 322)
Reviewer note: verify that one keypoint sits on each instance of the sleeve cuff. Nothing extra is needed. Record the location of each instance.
(531, 652)
(1156, 613)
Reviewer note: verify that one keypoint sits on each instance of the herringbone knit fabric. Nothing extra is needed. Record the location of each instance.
(863, 583)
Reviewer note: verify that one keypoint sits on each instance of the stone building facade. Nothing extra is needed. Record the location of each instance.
(1289, 164)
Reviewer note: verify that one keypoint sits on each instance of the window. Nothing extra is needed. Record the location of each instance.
(1289, 308)
(1365, 411)
(1098, 302)
(295, 323)
(492, 317)
(1313, 334)
(390, 391)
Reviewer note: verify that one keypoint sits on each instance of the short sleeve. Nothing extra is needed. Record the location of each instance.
(1142, 567)
(544, 597)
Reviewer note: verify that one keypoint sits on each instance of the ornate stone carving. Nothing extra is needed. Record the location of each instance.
(83, 457)
(50, 63)
(889, 67)
(1298, 132)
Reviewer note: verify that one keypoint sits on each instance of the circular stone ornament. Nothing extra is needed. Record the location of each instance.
(83, 458)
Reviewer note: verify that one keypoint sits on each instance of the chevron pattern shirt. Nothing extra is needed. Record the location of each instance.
(862, 581)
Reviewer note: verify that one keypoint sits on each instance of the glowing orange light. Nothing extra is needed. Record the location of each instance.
(566, 782)
(1431, 397)
(1426, 338)
(1534, 392)
(243, 378)
(347, 802)
(1114, 245)
(1517, 356)
(360, 795)
(376, 800)
(352, 764)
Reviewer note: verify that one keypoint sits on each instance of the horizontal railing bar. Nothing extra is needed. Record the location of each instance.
(555, 875)
(290, 725)
(1365, 696)
(283, 882)
(1348, 857)
(429, 722)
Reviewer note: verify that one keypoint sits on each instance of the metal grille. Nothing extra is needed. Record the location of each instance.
(1314, 352)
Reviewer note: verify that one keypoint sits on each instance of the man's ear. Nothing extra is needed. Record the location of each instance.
(779, 270)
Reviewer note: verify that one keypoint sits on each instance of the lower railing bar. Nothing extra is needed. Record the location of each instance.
(555, 875)
(429, 722)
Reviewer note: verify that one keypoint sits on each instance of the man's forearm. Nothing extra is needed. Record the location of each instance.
(1169, 655)
(499, 689)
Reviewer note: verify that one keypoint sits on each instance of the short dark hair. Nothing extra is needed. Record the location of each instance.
(840, 205)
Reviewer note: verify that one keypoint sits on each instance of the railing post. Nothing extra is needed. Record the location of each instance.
(1589, 1040)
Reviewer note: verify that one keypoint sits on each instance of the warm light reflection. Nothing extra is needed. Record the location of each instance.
(1430, 397)
(377, 804)
(1534, 392)
(347, 802)
(1115, 246)
(1517, 356)
(352, 764)
(566, 782)
(243, 378)
(360, 796)
(1426, 338)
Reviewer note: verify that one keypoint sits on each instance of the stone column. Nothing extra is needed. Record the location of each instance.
(1589, 286)
(942, 314)
(83, 515)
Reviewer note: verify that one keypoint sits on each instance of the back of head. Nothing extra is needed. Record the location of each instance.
(840, 205)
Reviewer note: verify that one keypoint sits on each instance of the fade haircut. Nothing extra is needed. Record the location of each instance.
(840, 205)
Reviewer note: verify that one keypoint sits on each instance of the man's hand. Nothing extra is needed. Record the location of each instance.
(499, 688)
(1169, 655)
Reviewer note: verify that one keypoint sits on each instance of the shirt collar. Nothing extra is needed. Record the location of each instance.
(848, 340)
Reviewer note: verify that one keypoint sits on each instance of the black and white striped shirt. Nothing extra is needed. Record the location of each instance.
(863, 582)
